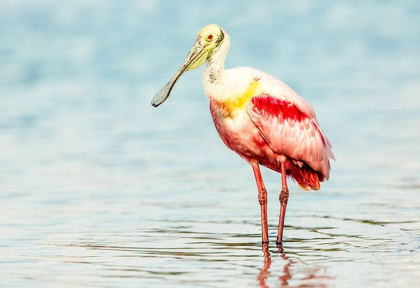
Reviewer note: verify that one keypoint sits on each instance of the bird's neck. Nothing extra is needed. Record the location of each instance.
(213, 73)
(217, 85)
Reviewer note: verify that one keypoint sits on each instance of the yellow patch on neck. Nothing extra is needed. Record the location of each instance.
(239, 102)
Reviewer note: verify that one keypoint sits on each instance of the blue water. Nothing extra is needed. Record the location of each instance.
(100, 189)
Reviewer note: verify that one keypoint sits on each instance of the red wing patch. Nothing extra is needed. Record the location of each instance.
(278, 108)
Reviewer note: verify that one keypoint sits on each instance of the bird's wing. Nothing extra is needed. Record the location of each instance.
(291, 132)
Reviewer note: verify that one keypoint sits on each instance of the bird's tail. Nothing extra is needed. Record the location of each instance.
(306, 177)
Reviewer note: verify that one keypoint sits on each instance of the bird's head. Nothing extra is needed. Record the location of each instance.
(208, 40)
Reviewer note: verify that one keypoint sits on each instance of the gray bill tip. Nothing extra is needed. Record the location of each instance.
(161, 96)
(154, 104)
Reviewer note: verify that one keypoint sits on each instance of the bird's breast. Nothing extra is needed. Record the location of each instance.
(239, 133)
(230, 100)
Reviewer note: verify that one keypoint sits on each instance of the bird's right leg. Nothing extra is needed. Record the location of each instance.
(262, 198)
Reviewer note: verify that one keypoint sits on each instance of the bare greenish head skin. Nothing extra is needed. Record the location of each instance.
(208, 39)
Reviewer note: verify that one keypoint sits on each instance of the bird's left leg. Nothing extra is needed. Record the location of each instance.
(262, 198)
(284, 196)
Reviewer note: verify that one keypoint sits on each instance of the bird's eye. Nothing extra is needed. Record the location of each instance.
(209, 37)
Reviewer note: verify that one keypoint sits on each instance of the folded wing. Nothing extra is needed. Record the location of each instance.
(291, 132)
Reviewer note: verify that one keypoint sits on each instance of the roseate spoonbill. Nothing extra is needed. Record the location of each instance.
(260, 118)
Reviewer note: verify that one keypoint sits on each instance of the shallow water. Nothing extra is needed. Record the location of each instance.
(99, 189)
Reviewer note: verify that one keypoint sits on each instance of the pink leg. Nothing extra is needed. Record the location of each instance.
(262, 198)
(284, 196)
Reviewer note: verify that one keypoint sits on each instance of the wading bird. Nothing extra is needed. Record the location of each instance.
(260, 118)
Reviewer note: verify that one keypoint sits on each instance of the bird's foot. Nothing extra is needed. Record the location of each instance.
(280, 246)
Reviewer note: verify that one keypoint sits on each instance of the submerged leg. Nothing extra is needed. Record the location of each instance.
(262, 198)
(284, 196)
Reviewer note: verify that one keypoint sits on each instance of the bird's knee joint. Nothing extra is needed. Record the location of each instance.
(284, 196)
(262, 198)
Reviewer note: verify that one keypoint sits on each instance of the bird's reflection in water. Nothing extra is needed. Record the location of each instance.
(313, 277)
(265, 271)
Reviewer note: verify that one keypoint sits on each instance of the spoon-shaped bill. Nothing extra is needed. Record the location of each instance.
(195, 58)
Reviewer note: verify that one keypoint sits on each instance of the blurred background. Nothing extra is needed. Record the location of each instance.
(98, 188)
